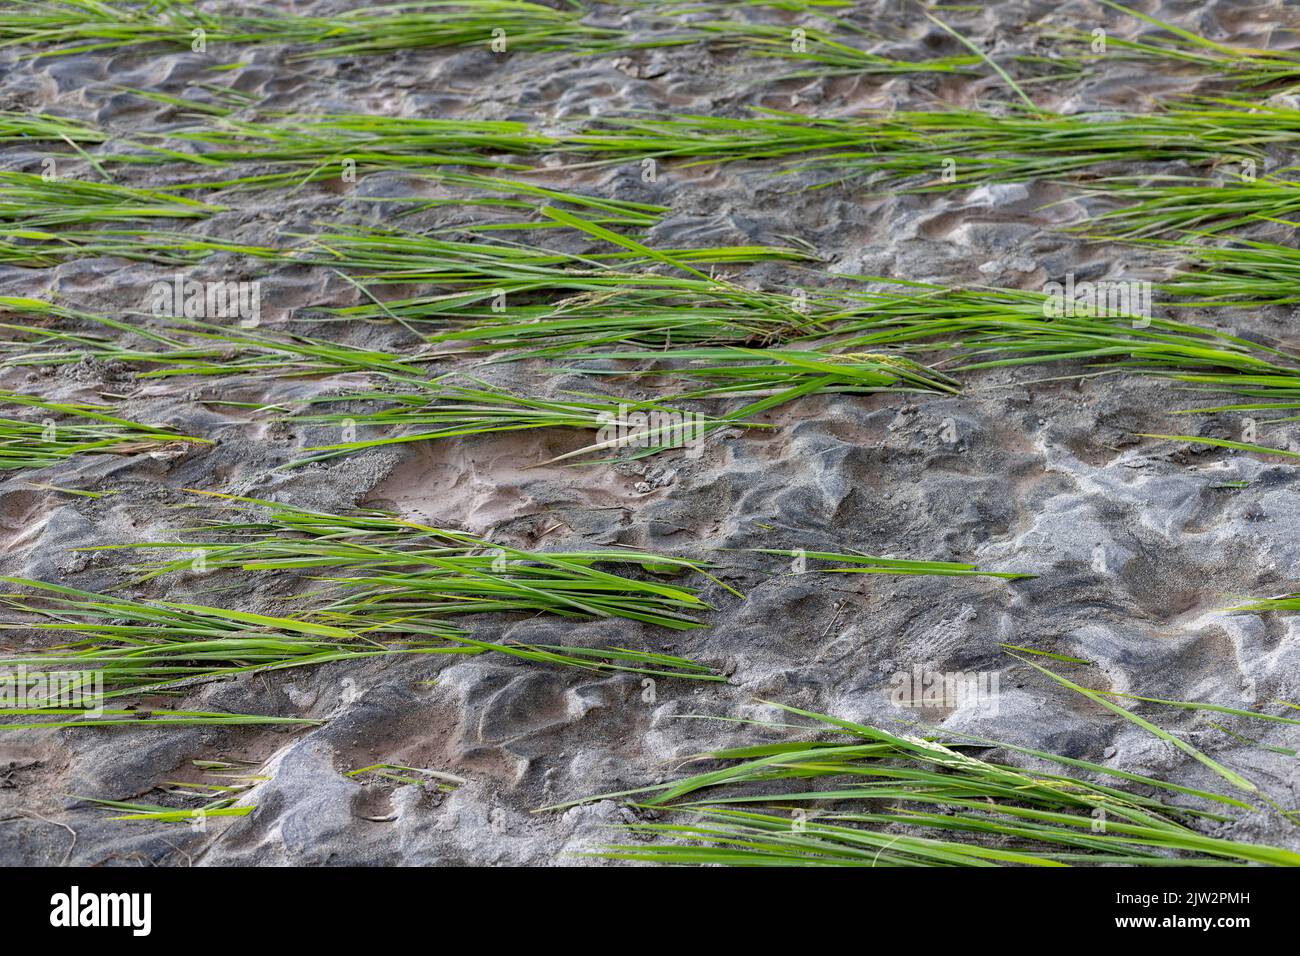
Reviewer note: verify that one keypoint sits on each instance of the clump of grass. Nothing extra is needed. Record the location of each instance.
(34, 202)
(188, 347)
(398, 576)
(315, 147)
(17, 126)
(139, 718)
(1248, 67)
(405, 582)
(39, 248)
(76, 25)
(735, 371)
(457, 411)
(1243, 272)
(1184, 204)
(219, 799)
(79, 429)
(911, 150)
(490, 193)
(1285, 602)
(893, 800)
(420, 776)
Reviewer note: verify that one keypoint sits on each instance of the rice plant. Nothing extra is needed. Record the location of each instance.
(39, 248)
(218, 799)
(378, 256)
(773, 372)
(75, 26)
(990, 328)
(67, 26)
(136, 717)
(188, 347)
(394, 571)
(1285, 602)
(317, 146)
(1184, 204)
(17, 126)
(1240, 273)
(479, 409)
(132, 649)
(491, 193)
(912, 150)
(419, 776)
(78, 429)
(879, 798)
(35, 202)
(823, 52)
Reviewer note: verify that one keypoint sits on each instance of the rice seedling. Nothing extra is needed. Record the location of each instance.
(539, 306)
(420, 776)
(893, 799)
(141, 648)
(1234, 778)
(1226, 443)
(38, 248)
(227, 99)
(1196, 705)
(457, 410)
(390, 587)
(607, 296)
(1247, 67)
(378, 256)
(316, 147)
(992, 328)
(1179, 203)
(870, 564)
(394, 574)
(219, 799)
(853, 344)
(636, 310)
(502, 25)
(1241, 273)
(911, 150)
(33, 201)
(740, 371)
(140, 718)
(823, 53)
(74, 26)
(1285, 602)
(190, 347)
(520, 196)
(17, 126)
(79, 429)
(77, 492)
(132, 649)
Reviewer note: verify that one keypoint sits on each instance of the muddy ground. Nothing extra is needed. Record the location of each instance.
(1034, 470)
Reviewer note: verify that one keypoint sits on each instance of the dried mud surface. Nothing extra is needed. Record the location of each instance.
(1136, 549)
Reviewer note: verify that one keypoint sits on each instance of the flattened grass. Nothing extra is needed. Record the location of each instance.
(35, 202)
(876, 798)
(78, 429)
(871, 564)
